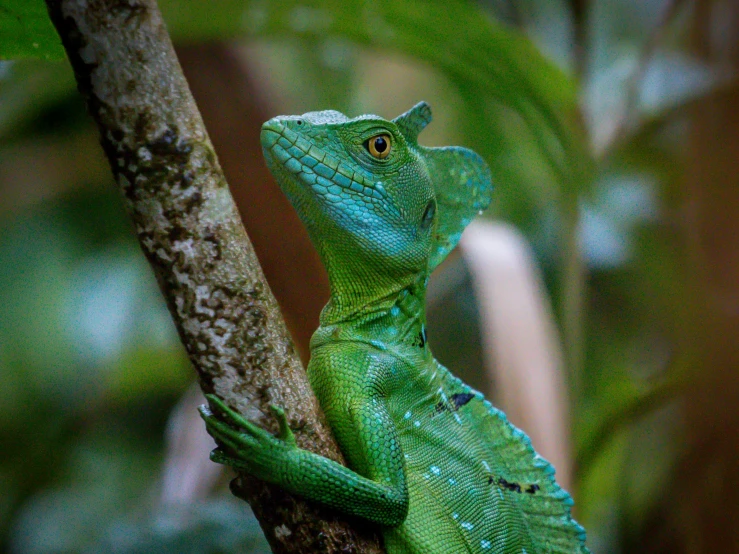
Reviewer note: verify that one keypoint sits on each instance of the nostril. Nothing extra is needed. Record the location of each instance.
(299, 122)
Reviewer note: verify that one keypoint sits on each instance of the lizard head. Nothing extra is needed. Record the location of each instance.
(375, 202)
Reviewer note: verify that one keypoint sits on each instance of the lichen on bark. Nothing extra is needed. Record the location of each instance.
(190, 232)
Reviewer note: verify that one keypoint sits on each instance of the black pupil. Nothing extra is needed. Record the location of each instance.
(380, 144)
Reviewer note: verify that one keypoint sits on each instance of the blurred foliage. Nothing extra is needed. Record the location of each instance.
(27, 32)
(582, 111)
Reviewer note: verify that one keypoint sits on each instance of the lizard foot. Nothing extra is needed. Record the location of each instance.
(241, 443)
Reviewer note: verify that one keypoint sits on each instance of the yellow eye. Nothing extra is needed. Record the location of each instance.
(379, 146)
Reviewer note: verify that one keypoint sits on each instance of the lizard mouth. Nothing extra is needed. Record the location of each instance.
(313, 166)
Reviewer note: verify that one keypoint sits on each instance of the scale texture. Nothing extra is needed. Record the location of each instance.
(430, 460)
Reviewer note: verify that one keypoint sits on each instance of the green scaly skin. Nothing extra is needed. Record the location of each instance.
(430, 460)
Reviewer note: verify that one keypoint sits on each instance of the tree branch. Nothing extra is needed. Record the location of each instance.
(189, 230)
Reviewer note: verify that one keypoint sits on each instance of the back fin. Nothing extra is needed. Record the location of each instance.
(463, 187)
(546, 506)
(523, 476)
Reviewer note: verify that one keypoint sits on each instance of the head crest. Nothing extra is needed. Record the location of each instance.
(412, 122)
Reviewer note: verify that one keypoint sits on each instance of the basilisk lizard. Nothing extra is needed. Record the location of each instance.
(430, 460)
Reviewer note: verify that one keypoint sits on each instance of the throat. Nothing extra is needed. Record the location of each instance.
(392, 320)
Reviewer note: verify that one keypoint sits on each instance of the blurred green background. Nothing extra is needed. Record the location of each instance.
(612, 129)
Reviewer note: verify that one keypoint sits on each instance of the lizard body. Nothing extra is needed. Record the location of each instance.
(430, 460)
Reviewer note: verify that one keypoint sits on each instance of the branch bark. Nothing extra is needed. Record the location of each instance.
(189, 230)
(233, 109)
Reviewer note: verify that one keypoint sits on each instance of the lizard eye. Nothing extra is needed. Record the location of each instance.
(379, 146)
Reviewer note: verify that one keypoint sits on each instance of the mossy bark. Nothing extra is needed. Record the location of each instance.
(189, 230)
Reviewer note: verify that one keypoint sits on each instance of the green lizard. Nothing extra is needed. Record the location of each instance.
(430, 460)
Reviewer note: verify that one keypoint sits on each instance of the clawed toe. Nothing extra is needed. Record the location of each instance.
(286, 433)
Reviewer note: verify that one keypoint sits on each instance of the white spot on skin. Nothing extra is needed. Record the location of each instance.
(485, 465)
(417, 423)
(379, 345)
(486, 544)
(455, 516)
(452, 481)
(467, 525)
(458, 419)
(435, 470)
(407, 415)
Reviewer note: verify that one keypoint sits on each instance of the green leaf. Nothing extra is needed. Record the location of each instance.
(26, 31)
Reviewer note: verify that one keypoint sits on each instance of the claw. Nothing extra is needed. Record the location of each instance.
(205, 412)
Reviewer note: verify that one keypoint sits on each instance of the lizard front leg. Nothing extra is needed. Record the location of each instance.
(277, 459)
